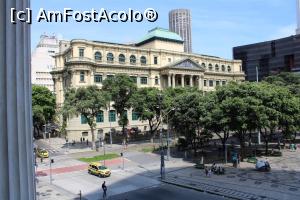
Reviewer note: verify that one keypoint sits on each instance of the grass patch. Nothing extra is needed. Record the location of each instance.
(148, 149)
(100, 157)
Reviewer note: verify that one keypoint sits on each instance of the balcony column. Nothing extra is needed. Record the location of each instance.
(173, 81)
(191, 81)
(169, 80)
(200, 83)
(182, 80)
(16, 145)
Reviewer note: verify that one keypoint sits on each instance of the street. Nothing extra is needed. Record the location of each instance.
(165, 192)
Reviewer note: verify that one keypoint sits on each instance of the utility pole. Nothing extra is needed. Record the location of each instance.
(162, 158)
(168, 138)
(258, 133)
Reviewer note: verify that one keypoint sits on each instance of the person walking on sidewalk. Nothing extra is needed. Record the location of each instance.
(104, 188)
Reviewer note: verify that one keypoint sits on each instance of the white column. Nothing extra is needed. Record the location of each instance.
(169, 80)
(173, 80)
(191, 81)
(182, 80)
(200, 83)
(16, 146)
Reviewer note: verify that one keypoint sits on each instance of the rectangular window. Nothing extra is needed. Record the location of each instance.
(100, 117)
(155, 60)
(110, 76)
(205, 83)
(81, 76)
(98, 78)
(135, 116)
(85, 134)
(217, 83)
(83, 119)
(223, 82)
(134, 79)
(144, 80)
(81, 52)
(112, 116)
(211, 83)
(156, 80)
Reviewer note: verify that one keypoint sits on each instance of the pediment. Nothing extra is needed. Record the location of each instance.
(186, 64)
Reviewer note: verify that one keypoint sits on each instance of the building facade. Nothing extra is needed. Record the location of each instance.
(180, 23)
(269, 57)
(42, 61)
(158, 60)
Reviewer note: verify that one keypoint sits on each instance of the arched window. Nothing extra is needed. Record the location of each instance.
(110, 57)
(132, 59)
(223, 68)
(217, 68)
(121, 58)
(143, 60)
(98, 56)
(210, 67)
(203, 65)
(228, 68)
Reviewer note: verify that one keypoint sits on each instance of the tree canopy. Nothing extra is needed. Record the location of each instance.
(120, 89)
(43, 107)
(87, 102)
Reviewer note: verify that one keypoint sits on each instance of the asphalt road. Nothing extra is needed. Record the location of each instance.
(165, 192)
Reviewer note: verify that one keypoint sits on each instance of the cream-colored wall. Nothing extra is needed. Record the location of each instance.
(165, 45)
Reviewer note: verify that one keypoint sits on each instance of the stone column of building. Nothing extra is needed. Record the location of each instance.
(191, 81)
(16, 146)
(200, 83)
(173, 80)
(169, 80)
(182, 80)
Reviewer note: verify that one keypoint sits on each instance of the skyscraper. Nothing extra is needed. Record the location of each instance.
(180, 22)
(298, 17)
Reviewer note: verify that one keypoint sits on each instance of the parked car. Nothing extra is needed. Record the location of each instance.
(42, 153)
(99, 170)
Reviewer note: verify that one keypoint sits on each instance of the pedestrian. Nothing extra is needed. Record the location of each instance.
(41, 159)
(206, 171)
(81, 140)
(104, 188)
(87, 142)
(209, 172)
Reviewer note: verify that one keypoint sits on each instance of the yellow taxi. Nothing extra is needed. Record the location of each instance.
(42, 153)
(98, 169)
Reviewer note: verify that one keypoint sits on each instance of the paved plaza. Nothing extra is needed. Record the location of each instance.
(142, 173)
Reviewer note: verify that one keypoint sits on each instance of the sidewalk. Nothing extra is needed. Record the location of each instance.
(46, 191)
(236, 185)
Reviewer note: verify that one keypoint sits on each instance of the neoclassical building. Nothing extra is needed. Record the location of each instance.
(157, 60)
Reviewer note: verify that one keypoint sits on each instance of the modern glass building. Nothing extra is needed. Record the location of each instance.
(270, 57)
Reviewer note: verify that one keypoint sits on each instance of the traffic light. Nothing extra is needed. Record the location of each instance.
(121, 154)
(52, 160)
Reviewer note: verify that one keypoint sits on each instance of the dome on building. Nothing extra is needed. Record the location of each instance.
(160, 34)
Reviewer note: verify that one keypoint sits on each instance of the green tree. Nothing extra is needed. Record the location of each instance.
(87, 102)
(286, 79)
(147, 104)
(215, 120)
(120, 89)
(43, 107)
(188, 115)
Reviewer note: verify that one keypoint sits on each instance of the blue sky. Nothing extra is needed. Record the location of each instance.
(217, 25)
